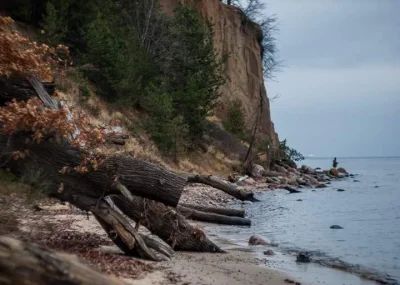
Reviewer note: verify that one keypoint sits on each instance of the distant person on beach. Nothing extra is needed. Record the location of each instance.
(335, 163)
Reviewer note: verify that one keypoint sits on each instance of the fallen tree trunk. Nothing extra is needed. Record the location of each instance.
(166, 223)
(141, 178)
(87, 190)
(225, 186)
(23, 263)
(222, 211)
(212, 217)
(19, 88)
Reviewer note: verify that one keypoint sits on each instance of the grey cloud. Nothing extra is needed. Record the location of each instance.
(341, 88)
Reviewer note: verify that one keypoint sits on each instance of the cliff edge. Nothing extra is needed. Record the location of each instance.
(237, 37)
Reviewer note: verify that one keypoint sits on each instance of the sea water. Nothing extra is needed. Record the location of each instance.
(368, 210)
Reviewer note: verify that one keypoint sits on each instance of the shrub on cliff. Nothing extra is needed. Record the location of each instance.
(289, 155)
(139, 54)
(234, 122)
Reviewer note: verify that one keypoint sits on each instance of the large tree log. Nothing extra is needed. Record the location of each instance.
(212, 217)
(141, 178)
(166, 223)
(87, 191)
(225, 186)
(222, 211)
(23, 264)
(19, 88)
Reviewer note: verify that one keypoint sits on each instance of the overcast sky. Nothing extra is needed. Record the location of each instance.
(340, 87)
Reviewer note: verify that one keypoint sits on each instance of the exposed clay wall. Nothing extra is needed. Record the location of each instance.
(237, 38)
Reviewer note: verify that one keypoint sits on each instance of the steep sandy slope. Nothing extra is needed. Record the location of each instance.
(238, 38)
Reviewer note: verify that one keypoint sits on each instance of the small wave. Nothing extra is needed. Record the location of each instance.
(336, 263)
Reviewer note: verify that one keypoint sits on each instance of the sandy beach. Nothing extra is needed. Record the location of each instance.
(233, 268)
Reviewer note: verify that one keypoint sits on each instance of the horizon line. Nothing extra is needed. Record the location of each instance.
(353, 157)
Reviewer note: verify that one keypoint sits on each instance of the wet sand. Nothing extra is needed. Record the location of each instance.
(233, 268)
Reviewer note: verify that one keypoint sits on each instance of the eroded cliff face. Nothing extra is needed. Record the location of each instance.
(239, 39)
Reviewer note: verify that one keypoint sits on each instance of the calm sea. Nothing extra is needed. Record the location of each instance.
(368, 211)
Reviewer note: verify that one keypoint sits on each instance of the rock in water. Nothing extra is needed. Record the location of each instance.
(336, 227)
(356, 180)
(258, 240)
(257, 171)
(341, 190)
(269, 252)
(303, 257)
(342, 170)
(247, 202)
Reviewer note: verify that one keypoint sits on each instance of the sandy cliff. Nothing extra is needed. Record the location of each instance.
(237, 38)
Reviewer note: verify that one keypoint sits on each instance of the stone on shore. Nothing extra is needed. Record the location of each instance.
(334, 172)
(307, 169)
(247, 182)
(257, 171)
(258, 240)
(342, 170)
(341, 190)
(279, 168)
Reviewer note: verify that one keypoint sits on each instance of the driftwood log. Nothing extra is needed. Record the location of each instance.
(212, 217)
(221, 211)
(166, 223)
(222, 185)
(23, 263)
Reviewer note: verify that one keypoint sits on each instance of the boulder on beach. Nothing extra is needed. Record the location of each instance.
(334, 172)
(257, 171)
(284, 180)
(321, 185)
(279, 168)
(307, 169)
(247, 182)
(301, 181)
(258, 240)
(303, 257)
(342, 170)
(336, 227)
(341, 175)
(311, 180)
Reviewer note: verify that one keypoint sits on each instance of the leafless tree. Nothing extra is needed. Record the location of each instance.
(254, 10)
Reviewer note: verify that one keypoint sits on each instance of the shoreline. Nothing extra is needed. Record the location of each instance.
(332, 270)
(284, 262)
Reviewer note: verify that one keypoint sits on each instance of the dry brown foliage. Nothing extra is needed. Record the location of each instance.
(19, 54)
